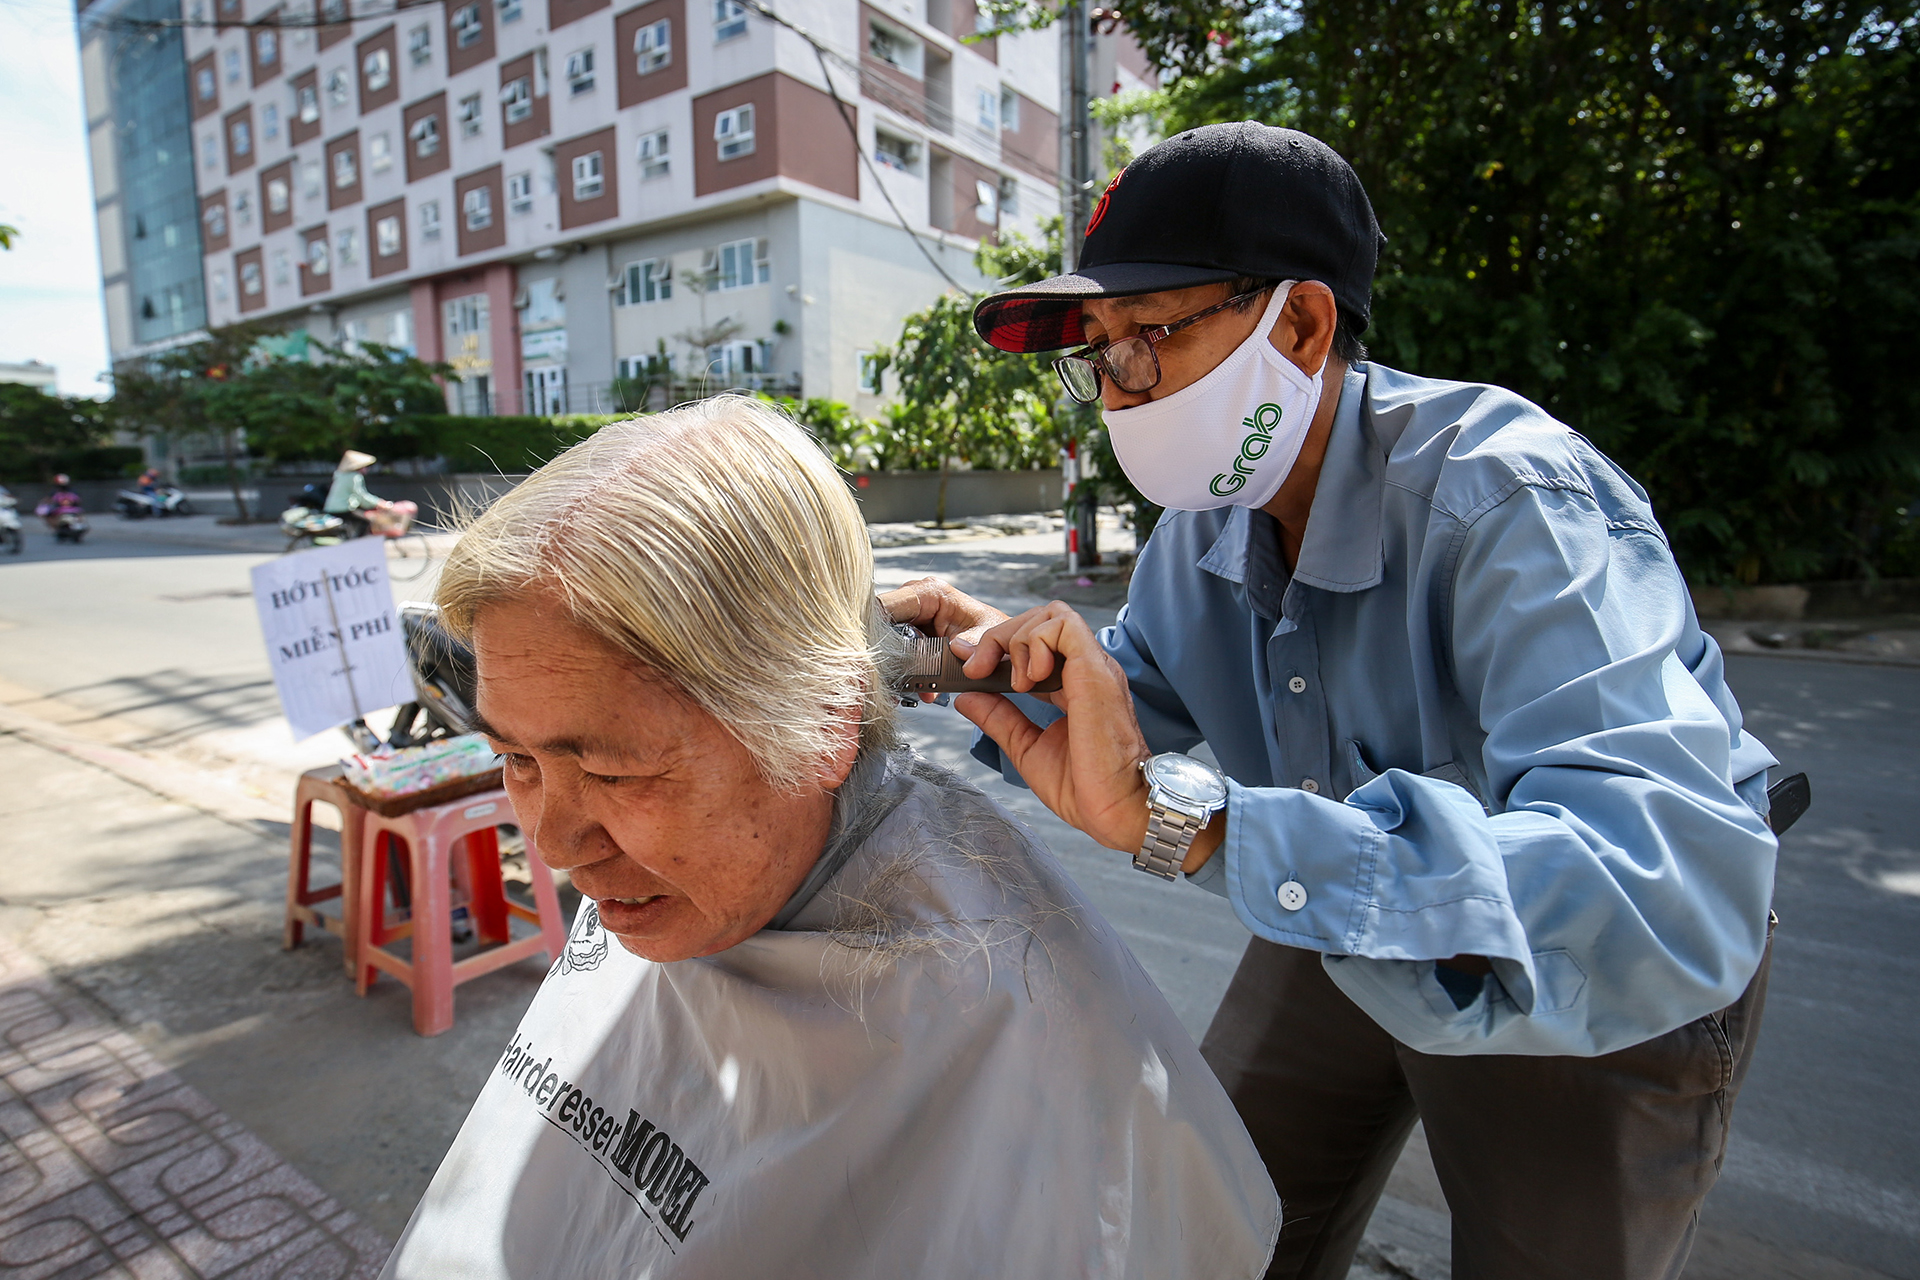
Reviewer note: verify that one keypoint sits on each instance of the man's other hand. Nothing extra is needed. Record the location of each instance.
(940, 609)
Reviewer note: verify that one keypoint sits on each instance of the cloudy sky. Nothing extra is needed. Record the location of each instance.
(50, 282)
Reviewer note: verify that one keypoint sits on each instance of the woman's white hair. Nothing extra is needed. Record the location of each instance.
(718, 548)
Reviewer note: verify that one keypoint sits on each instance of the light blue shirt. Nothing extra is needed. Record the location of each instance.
(1478, 718)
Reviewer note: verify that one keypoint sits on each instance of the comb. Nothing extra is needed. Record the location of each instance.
(932, 667)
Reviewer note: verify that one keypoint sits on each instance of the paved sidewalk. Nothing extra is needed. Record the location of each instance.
(110, 1166)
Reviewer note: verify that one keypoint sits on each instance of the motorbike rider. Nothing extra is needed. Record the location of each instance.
(350, 499)
(63, 501)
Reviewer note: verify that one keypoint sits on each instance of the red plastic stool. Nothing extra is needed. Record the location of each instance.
(323, 786)
(430, 835)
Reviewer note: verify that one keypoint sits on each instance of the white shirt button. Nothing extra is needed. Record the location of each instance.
(1293, 895)
(1309, 786)
(1298, 684)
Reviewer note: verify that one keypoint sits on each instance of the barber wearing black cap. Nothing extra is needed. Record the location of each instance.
(1487, 805)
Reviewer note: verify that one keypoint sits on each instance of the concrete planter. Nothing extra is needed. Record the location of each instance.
(895, 497)
(1794, 602)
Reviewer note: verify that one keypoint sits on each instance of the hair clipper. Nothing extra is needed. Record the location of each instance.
(932, 667)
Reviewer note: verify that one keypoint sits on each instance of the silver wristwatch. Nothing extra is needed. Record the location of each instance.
(1182, 794)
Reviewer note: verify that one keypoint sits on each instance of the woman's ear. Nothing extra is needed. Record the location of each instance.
(846, 734)
(1304, 331)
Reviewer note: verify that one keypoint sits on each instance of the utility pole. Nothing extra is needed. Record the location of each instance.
(1076, 181)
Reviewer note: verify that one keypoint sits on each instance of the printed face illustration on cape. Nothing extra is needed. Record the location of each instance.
(939, 1062)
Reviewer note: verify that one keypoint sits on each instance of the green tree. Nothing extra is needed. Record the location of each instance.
(962, 400)
(245, 382)
(1691, 231)
(42, 433)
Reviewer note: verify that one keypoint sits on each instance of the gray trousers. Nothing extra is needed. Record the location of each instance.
(1584, 1168)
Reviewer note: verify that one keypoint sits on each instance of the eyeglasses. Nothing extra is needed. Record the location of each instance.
(1131, 363)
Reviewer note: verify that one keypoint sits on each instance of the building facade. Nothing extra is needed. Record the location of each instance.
(140, 141)
(554, 194)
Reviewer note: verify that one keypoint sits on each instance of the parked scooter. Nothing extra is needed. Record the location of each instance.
(163, 500)
(9, 521)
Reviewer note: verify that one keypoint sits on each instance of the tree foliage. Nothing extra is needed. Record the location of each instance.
(41, 434)
(1691, 231)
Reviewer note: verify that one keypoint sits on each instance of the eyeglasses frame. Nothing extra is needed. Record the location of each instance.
(1095, 357)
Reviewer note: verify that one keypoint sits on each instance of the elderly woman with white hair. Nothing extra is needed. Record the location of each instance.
(826, 1010)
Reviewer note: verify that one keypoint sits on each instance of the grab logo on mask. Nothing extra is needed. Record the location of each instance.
(1259, 438)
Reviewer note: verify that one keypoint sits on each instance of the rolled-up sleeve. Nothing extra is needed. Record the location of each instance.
(1620, 884)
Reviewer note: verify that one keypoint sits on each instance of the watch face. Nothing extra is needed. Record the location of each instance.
(1187, 779)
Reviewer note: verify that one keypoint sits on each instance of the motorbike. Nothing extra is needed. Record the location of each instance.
(138, 504)
(65, 518)
(9, 521)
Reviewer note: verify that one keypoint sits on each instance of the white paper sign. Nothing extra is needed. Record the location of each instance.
(333, 637)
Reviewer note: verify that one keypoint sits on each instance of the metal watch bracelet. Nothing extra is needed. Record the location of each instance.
(1169, 835)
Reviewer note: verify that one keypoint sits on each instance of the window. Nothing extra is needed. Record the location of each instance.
(986, 202)
(242, 208)
(216, 219)
(895, 152)
(310, 179)
(282, 267)
(334, 11)
(1009, 196)
(266, 48)
(306, 104)
(204, 85)
(733, 130)
(420, 45)
(400, 326)
(337, 87)
(520, 193)
(250, 282)
(270, 121)
(580, 71)
(517, 99)
(467, 316)
(587, 180)
(652, 155)
(653, 46)
(348, 245)
(650, 281)
(353, 333)
(386, 238)
(233, 66)
(509, 11)
(220, 288)
(242, 138)
(210, 151)
(988, 117)
(741, 263)
(277, 196)
(729, 20)
(467, 27)
(470, 115)
(871, 368)
(894, 47)
(1009, 110)
(380, 153)
(426, 136)
(378, 69)
(430, 220)
(319, 261)
(346, 170)
(477, 207)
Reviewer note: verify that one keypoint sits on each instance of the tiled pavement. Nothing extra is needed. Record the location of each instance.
(110, 1166)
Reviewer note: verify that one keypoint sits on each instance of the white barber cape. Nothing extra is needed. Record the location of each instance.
(939, 1061)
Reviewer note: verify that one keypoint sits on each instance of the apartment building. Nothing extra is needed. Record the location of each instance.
(548, 193)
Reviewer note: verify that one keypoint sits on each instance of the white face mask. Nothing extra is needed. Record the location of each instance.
(1230, 438)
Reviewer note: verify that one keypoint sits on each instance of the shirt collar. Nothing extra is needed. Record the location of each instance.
(1342, 550)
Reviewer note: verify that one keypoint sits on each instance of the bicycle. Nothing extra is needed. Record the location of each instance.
(308, 527)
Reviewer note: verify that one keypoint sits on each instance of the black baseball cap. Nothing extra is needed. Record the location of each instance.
(1205, 206)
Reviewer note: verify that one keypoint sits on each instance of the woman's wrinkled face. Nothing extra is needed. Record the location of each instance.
(655, 810)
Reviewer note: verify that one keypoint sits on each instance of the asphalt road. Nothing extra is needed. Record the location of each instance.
(143, 640)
